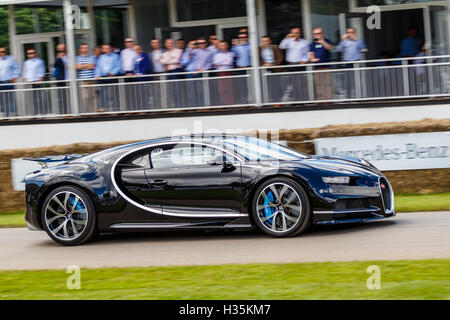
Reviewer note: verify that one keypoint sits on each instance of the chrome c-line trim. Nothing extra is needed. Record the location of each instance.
(168, 213)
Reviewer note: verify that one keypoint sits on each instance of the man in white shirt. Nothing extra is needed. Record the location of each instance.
(296, 48)
(128, 56)
(156, 54)
(297, 52)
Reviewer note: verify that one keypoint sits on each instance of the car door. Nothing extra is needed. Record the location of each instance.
(133, 182)
(195, 180)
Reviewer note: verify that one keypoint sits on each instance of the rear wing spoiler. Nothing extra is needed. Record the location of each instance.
(45, 160)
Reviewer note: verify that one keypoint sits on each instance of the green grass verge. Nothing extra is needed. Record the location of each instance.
(403, 203)
(422, 279)
(422, 202)
(12, 220)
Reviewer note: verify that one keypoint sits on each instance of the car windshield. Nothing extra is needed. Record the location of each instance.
(253, 149)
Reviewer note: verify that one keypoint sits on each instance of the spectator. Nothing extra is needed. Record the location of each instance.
(139, 97)
(319, 52)
(223, 60)
(411, 45)
(350, 46)
(242, 51)
(85, 65)
(143, 63)
(97, 52)
(171, 58)
(214, 43)
(61, 73)
(108, 64)
(9, 72)
(33, 67)
(269, 54)
(351, 51)
(128, 56)
(187, 60)
(181, 44)
(155, 55)
(202, 57)
(34, 71)
(296, 47)
(61, 66)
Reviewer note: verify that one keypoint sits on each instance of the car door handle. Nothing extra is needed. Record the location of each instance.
(157, 182)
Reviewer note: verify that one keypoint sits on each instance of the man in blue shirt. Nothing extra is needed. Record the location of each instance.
(9, 72)
(411, 45)
(242, 51)
(34, 71)
(350, 46)
(351, 51)
(108, 65)
(319, 52)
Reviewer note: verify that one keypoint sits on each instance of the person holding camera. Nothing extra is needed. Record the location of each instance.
(296, 47)
(319, 52)
(350, 46)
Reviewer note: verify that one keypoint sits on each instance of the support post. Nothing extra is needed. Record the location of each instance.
(132, 20)
(70, 43)
(253, 35)
(12, 31)
(92, 31)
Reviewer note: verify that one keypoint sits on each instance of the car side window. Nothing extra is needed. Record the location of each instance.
(180, 155)
(138, 160)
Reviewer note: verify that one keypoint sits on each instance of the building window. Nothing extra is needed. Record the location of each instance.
(36, 20)
(325, 14)
(110, 26)
(282, 16)
(189, 10)
(4, 36)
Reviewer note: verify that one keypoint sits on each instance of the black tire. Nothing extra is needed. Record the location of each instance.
(261, 217)
(72, 217)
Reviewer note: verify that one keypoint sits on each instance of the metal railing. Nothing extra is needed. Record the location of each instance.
(421, 77)
(357, 81)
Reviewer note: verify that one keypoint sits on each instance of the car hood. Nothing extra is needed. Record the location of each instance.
(338, 165)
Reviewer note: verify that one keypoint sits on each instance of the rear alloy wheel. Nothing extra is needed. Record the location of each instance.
(68, 216)
(281, 208)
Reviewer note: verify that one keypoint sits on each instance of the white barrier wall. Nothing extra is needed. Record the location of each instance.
(39, 135)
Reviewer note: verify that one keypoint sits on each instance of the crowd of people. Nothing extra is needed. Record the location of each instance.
(199, 55)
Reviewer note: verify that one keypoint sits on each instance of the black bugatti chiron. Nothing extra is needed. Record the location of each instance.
(201, 182)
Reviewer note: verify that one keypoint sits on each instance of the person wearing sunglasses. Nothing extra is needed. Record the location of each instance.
(214, 43)
(33, 73)
(128, 57)
(33, 67)
(9, 72)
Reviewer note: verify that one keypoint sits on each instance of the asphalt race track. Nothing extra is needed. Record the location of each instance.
(422, 235)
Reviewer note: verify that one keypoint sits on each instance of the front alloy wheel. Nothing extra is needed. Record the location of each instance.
(68, 216)
(281, 208)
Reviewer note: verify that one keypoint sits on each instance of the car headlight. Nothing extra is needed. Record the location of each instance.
(336, 180)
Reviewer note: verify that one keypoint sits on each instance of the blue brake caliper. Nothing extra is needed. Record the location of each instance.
(79, 206)
(267, 209)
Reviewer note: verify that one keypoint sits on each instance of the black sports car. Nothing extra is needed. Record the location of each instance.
(201, 182)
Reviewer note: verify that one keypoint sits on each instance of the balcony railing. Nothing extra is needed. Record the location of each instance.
(334, 82)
